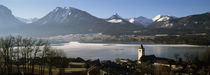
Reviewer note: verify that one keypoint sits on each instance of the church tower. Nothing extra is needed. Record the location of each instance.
(141, 52)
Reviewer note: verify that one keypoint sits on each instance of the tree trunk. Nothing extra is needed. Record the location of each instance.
(50, 69)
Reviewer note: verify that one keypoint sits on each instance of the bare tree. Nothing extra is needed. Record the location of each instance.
(1, 62)
(206, 56)
(24, 51)
(37, 49)
(7, 47)
(45, 50)
(18, 44)
(176, 55)
(188, 57)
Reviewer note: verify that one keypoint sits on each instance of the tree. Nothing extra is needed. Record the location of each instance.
(1, 63)
(51, 54)
(6, 47)
(18, 44)
(206, 56)
(24, 51)
(45, 50)
(187, 57)
(37, 49)
(176, 55)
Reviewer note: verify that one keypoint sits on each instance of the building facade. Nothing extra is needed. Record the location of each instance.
(141, 52)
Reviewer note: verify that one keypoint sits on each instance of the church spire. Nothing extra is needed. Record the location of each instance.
(141, 46)
(141, 52)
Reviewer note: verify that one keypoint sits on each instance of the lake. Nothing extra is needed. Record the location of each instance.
(111, 51)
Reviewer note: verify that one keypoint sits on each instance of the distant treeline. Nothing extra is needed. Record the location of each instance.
(186, 39)
(168, 39)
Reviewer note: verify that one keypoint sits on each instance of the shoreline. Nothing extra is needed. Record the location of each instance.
(137, 43)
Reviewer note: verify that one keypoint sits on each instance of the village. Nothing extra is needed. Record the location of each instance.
(29, 58)
(104, 37)
(146, 64)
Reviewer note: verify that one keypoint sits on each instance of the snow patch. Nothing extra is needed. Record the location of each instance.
(140, 20)
(115, 20)
(160, 18)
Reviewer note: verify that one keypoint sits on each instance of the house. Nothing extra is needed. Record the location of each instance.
(148, 58)
(163, 62)
(102, 72)
(77, 65)
(76, 68)
(121, 61)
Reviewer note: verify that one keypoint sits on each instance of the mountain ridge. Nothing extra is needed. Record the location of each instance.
(72, 20)
(8, 23)
(67, 20)
(140, 20)
(28, 20)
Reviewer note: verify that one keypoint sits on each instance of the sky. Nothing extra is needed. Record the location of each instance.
(106, 8)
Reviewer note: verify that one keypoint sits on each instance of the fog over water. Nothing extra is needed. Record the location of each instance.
(110, 51)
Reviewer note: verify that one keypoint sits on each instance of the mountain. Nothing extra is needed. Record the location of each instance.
(140, 21)
(8, 22)
(7, 19)
(29, 20)
(68, 20)
(71, 20)
(116, 19)
(192, 24)
(198, 21)
(162, 21)
(160, 18)
(65, 15)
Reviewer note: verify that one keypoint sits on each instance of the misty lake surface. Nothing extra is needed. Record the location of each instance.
(111, 51)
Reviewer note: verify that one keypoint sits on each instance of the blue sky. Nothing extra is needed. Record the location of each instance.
(105, 8)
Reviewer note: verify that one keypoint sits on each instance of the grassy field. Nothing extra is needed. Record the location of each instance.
(55, 71)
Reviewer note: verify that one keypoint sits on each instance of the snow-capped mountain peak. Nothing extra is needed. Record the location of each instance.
(115, 19)
(63, 12)
(27, 20)
(160, 18)
(164, 21)
(63, 15)
(115, 16)
(140, 20)
(156, 17)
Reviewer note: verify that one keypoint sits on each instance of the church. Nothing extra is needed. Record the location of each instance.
(141, 52)
(144, 58)
(151, 59)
